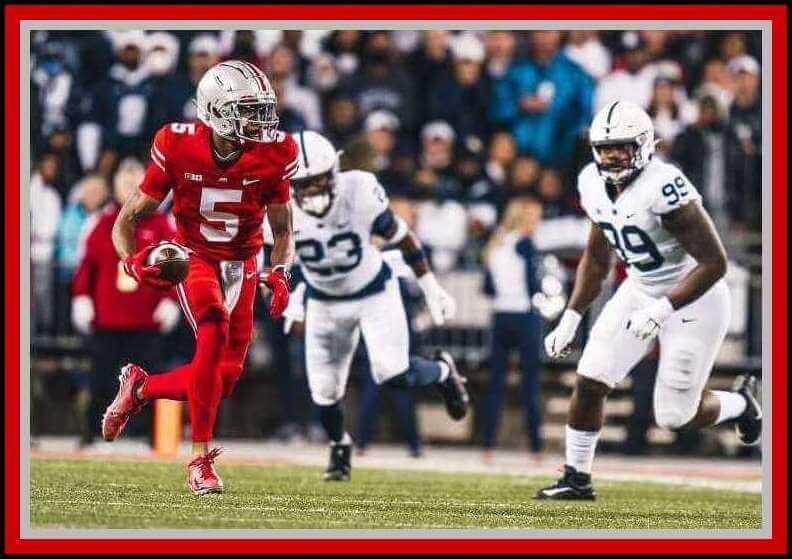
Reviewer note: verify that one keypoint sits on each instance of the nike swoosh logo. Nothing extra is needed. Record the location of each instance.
(686, 320)
(246, 182)
(250, 275)
(630, 215)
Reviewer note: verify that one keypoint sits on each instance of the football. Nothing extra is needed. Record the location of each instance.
(171, 259)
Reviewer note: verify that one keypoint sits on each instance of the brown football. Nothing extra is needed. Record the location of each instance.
(172, 260)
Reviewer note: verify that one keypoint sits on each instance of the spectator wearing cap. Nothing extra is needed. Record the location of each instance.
(381, 83)
(545, 101)
(281, 69)
(699, 150)
(177, 92)
(585, 48)
(381, 132)
(45, 214)
(123, 104)
(632, 82)
(123, 320)
(460, 98)
(86, 200)
(511, 281)
(442, 220)
(744, 144)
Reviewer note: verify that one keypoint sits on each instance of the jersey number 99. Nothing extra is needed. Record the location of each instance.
(634, 246)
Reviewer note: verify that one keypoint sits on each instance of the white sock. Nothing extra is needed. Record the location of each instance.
(345, 440)
(732, 405)
(445, 370)
(580, 447)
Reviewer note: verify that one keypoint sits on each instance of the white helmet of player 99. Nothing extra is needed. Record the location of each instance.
(622, 123)
(236, 100)
(313, 184)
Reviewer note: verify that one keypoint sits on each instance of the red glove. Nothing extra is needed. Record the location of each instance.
(135, 266)
(278, 282)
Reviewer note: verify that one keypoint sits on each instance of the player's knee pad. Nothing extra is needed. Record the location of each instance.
(326, 393)
(677, 392)
(673, 416)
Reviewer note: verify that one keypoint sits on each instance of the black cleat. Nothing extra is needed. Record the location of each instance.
(749, 425)
(340, 467)
(453, 388)
(573, 486)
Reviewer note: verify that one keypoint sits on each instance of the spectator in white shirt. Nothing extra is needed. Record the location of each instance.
(45, 213)
(634, 82)
(585, 48)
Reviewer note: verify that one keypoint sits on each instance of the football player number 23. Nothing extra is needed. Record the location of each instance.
(221, 226)
(634, 245)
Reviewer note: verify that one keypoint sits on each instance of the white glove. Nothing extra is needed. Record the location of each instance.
(558, 341)
(295, 310)
(441, 305)
(646, 322)
(82, 314)
(167, 315)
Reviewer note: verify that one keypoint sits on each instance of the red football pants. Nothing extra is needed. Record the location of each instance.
(221, 343)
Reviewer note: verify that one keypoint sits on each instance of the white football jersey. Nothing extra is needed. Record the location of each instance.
(335, 252)
(632, 223)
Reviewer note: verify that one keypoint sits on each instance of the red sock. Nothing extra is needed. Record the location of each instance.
(205, 384)
(171, 385)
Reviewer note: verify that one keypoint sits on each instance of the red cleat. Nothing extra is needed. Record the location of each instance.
(201, 475)
(126, 403)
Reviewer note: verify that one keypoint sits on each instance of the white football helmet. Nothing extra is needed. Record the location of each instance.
(313, 185)
(622, 123)
(236, 100)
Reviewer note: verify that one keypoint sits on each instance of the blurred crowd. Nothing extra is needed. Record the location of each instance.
(459, 122)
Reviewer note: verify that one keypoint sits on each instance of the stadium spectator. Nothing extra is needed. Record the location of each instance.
(665, 112)
(123, 104)
(511, 281)
(460, 97)
(381, 83)
(545, 100)
(281, 70)
(486, 196)
(87, 198)
(430, 62)
(501, 48)
(45, 213)
(744, 144)
(122, 319)
(585, 48)
(632, 82)
(346, 47)
(342, 120)
(700, 152)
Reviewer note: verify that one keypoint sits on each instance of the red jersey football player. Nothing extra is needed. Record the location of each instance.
(226, 172)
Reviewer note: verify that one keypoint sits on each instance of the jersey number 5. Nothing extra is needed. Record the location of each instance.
(210, 197)
(632, 241)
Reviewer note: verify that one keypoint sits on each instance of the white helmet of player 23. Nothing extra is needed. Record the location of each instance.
(313, 185)
(622, 123)
(237, 101)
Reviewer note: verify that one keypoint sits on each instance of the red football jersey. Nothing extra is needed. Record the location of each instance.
(219, 209)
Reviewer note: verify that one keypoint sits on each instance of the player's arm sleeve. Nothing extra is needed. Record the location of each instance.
(280, 193)
(372, 204)
(675, 191)
(157, 181)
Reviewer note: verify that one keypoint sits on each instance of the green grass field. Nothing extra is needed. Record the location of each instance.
(83, 493)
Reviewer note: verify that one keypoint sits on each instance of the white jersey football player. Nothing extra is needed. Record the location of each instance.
(650, 215)
(351, 292)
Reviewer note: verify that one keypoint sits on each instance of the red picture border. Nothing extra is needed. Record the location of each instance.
(778, 15)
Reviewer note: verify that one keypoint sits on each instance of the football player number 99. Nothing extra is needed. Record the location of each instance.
(210, 197)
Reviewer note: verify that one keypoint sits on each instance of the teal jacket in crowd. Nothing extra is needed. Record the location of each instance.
(549, 136)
